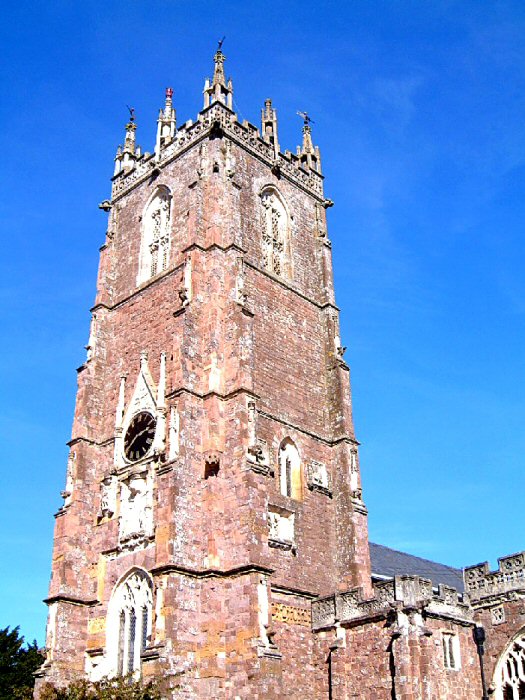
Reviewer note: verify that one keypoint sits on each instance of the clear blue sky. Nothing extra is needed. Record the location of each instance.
(419, 111)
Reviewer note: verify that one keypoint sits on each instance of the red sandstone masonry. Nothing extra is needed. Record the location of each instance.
(247, 353)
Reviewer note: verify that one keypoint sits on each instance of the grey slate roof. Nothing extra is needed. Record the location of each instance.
(390, 562)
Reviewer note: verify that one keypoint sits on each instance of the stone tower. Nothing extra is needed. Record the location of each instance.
(213, 486)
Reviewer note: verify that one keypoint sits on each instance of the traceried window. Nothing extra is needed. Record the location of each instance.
(290, 477)
(129, 623)
(509, 677)
(275, 234)
(450, 651)
(155, 244)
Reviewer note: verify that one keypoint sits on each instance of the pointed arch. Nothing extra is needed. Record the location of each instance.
(156, 235)
(129, 622)
(275, 229)
(290, 471)
(509, 675)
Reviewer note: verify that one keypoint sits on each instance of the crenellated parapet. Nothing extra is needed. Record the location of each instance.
(402, 592)
(480, 582)
(218, 116)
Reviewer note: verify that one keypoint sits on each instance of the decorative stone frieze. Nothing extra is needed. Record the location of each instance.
(245, 134)
(281, 530)
(408, 592)
(291, 614)
(480, 582)
(318, 478)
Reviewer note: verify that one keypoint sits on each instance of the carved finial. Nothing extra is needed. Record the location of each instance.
(166, 124)
(269, 125)
(309, 155)
(218, 72)
(131, 127)
(220, 90)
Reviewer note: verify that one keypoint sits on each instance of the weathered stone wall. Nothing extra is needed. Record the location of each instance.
(258, 591)
(231, 359)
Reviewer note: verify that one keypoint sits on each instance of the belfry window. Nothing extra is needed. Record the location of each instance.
(155, 245)
(290, 477)
(275, 234)
(129, 622)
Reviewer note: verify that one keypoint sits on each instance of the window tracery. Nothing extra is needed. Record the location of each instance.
(510, 672)
(129, 623)
(275, 234)
(155, 236)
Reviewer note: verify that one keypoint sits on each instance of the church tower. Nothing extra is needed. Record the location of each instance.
(213, 487)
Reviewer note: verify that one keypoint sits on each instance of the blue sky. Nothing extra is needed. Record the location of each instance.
(419, 111)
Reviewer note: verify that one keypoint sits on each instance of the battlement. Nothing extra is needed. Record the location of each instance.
(219, 116)
(401, 592)
(480, 582)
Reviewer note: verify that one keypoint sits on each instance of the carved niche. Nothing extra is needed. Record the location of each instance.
(318, 478)
(136, 508)
(281, 529)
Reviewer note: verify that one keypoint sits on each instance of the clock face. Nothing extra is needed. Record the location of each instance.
(139, 436)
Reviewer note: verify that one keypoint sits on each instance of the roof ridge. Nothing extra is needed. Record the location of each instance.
(415, 556)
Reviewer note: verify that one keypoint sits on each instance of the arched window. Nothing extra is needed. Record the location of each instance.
(290, 477)
(509, 676)
(275, 234)
(155, 244)
(129, 623)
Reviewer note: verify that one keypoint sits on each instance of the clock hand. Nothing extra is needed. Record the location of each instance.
(140, 434)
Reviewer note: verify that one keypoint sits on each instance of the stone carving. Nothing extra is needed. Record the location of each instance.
(245, 134)
(281, 529)
(185, 288)
(215, 373)
(412, 592)
(323, 612)
(174, 433)
(291, 615)
(70, 479)
(384, 592)
(355, 488)
(108, 497)
(497, 615)
(229, 159)
(91, 345)
(240, 296)
(257, 452)
(320, 225)
(266, 645)
(203, 163)
(480, 582)
(317, 478)
(136, 508)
